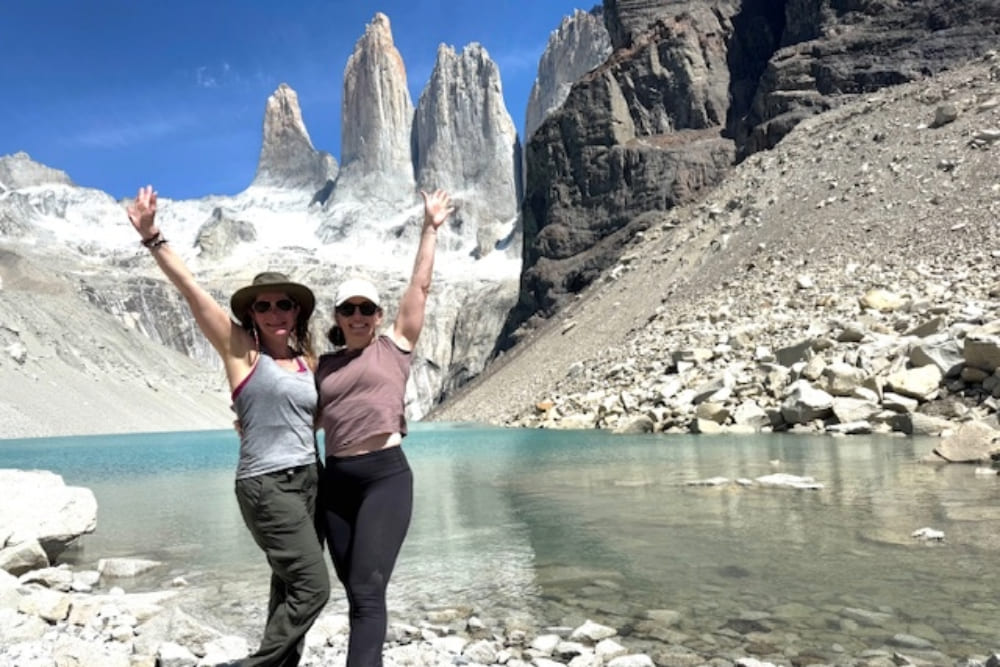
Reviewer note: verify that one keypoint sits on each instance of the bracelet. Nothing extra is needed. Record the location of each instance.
(153, 241)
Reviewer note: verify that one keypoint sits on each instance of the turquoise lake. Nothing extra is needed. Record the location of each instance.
(569, 525)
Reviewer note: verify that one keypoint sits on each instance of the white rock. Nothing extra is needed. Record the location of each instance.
(592, 632)
(928, 535)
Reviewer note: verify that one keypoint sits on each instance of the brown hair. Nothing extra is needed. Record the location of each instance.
(301, 342)
(336, 336)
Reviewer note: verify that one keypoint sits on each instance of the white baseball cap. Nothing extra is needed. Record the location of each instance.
(355, 287)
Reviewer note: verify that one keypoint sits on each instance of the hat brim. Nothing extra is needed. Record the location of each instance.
(243, 298)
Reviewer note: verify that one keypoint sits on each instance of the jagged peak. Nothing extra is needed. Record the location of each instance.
(376, 115)
(376, 41)
(18, 170)
(282, 111)
(287, 156)
(474, 62)
(380, 24)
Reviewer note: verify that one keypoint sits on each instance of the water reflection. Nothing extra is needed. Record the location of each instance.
(615, 528)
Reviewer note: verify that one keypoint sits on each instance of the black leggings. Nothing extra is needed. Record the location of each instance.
(368, 502)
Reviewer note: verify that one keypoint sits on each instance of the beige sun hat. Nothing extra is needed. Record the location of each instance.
(271, 281)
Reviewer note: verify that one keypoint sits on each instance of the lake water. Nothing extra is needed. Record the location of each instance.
(569, 525)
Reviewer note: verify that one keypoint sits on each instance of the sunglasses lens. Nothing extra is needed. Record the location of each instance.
(284, 305)
(367, 309)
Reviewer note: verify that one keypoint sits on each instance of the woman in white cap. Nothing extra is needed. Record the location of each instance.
(368, 485)
(269, 362)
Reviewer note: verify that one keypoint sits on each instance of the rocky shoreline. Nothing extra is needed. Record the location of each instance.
(54, 616)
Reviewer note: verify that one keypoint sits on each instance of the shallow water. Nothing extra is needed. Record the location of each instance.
(575, 525)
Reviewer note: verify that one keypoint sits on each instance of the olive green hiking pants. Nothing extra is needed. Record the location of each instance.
(279, 509)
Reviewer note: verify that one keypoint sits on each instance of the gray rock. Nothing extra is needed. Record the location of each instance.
(842, 379)
(974, 442)
(749, 413)
(20, 171)
(942, 350)
(9, 597)
(51, 606)
(56, 578)
(465, 142)
(16, 627)
(636, 424)
(805, 403)
(23, 557)
(915, 423)
(792, 354)
(922, 383)
(287, 157)
(39, 506)
(592, 632)
(376, 115)
(171, 654)
(981, 349)
(848, 410)
(221, 234)
(944, 114)
(125, 567)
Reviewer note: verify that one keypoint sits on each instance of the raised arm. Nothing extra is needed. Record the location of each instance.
(410, 318)
(226, 337)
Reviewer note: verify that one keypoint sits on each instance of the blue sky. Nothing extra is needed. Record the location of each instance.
(119, 94)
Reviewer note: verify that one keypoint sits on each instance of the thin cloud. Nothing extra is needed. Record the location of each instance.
(115, 133)
(217, 76)
(203, 79)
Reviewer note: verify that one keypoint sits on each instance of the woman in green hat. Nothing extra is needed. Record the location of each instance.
(269, 361)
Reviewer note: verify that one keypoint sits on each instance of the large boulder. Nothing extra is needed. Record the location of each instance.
(38, 506)
(975, 442)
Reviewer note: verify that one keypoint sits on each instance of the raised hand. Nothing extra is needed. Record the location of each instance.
(142, 212)
(437, 207)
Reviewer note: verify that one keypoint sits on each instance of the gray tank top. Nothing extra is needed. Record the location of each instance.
(276, 409)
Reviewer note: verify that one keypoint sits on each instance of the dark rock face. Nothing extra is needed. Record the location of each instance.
(578, 45)
(628, 19)
(835, 48)
(693, 86)
(640, 133)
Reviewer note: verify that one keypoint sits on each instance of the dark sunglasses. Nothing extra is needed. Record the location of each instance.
(367, 308)
(284, 305)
